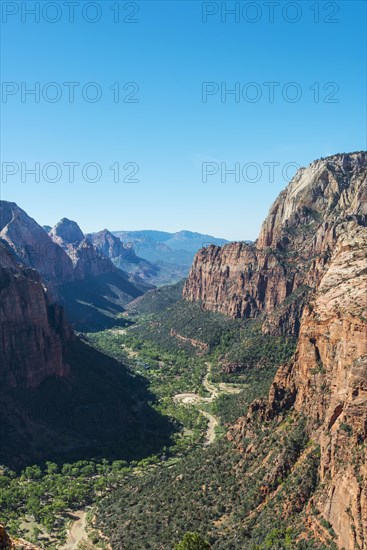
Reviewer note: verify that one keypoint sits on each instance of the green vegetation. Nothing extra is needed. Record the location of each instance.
(193, 541)
(155, 485)
(168, 374)
(49, 494)
(157, 300)
(233, 500)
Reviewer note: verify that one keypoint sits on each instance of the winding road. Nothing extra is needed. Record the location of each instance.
(194, 398)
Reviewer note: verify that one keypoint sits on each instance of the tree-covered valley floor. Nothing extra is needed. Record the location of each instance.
(203, 370)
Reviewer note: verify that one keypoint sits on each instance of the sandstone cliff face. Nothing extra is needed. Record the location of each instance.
(87, 260)
(32, 246)
(33, 330)
(329, 380)
(274, 275)
(326, 383)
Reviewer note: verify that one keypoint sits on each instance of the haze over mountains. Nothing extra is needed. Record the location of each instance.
(168, 255)
(94, 275)
(295, 456)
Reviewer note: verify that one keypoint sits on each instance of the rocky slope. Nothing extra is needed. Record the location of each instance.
(124, 257)
(77, 275)
(326, 383)
(328, 379)
(32, 246)
(87, 260)
(6, 543)
(274, 275)
(33, 329)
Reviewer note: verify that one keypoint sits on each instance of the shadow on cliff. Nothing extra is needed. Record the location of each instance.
(99, 411)
(97, 300)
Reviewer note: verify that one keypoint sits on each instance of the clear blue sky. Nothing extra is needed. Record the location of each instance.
(170, 132)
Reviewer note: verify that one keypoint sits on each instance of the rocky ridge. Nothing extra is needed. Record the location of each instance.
(75, 272)
(274, 275)
(123, 256)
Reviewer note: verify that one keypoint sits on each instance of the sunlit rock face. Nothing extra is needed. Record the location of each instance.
(275, 275)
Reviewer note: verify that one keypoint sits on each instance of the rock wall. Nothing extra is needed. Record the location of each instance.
(274, 275)
(33, 330)
(329, 378)
(326, 382)
(32, 246)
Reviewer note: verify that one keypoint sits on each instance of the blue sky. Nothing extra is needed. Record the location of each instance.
(170, 132)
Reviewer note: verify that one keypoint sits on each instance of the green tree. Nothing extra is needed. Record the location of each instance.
(193, 541)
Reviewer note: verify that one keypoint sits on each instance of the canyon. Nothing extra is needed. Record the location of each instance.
(305, 277)
(307, 274)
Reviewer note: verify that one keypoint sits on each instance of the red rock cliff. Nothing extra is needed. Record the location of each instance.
(33, 330)
(274, 275)
(326, 382)
(328, 379)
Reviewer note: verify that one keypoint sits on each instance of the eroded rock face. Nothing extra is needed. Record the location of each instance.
(33, 329)
(123, 256)
(32, 246)
(275, 274)
(330, 378)
(86, 258)
(326, 383)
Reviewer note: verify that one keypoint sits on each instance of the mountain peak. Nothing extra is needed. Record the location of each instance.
(67, 231)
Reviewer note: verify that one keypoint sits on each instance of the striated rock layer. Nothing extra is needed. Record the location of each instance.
(326, 382)
(33, 330)
(274, 275)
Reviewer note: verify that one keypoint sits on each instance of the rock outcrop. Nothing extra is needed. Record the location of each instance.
(124, 256)
(328, 382)
(274, 275)
(33, 329)
(7, 543)
(32, 246)
(87, 260)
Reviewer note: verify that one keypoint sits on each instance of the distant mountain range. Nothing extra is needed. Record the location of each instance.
(76, 274)
(172, 253)
(94, 276)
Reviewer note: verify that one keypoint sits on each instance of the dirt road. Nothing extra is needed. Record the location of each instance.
(194, 398)
(77, 531)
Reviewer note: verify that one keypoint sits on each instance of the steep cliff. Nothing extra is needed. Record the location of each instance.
(87, 260)
(60, 399)
(76, 274)
(33, 329)
(275, 274)
(326, 383)
(32, 246)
